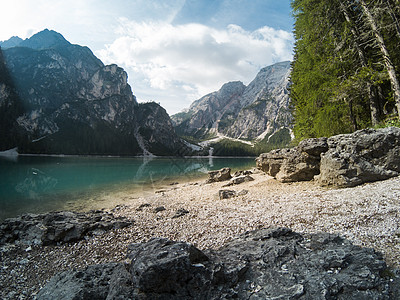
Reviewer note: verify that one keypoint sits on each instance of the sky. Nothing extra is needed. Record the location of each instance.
(174, 51)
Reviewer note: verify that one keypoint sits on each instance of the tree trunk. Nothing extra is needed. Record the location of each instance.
(352, 117)
(385, 53)
(393, 16)
(372, 99)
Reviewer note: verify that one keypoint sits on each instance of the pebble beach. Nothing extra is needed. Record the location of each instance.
(368, 215)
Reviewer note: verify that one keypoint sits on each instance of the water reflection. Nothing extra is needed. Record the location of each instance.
(35, 184)
(32, 184)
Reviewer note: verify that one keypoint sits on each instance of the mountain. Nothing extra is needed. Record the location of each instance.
(66, 101)
(12, 42)
(252, 112)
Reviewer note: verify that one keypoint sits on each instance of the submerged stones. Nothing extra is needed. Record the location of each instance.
(272, 263)
(343, 160)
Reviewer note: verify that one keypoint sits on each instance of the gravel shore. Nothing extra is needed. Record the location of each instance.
(368, 215)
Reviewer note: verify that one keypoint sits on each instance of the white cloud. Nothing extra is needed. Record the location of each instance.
(191, 60)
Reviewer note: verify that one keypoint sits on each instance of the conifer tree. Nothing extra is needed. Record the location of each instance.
(346, 65)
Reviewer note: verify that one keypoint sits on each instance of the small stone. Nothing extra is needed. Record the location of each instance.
(158, 209)
(226, 194)
(140, 208)
(241, 179)
(242, 192)
(28, 249)
(160, 191)
(180, 212)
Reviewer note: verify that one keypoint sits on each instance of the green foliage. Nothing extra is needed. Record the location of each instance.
(81, 139)
(182, 116)
(226, 147)
(338, 74)
(391, 121)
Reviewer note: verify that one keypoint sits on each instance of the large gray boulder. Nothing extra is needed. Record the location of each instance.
(343, 160)
(219, 175)
(364, 156)
(294, 164)
(273, 263)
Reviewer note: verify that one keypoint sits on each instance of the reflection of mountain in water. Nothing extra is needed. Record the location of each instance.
(39, 184)
(156, 169)
(35, 183)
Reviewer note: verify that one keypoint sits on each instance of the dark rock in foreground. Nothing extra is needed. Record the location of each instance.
(263, 264)
(58, 227)
(343, 160)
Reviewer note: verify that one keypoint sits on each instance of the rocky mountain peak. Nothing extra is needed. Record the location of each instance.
(233, 87)
(250, 112)
(46, 39)
(74, 104)
(12, 42)
(266, 81)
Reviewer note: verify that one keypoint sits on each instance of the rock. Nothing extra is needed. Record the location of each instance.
(273, 263)
(159, 208)
(241, 179)
(288, 165)
(162, 268)
(226, 194)
(141, 206)
(343, 160)
(242, 193)
(220, 175)
(180, 212)
(313, 147)
(90, 283)
(241, 173)
(58, 227)
(363, 156)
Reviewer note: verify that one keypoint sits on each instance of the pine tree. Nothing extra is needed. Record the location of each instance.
(344, 74)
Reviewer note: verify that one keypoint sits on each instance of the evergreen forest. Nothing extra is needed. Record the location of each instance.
(346, 66)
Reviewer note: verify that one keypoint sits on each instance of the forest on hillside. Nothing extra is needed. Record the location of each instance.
(346, 67)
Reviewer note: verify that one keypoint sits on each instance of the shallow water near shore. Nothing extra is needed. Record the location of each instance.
(36, 184)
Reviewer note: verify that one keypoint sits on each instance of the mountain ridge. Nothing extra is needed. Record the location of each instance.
(74, 104)
(251, 112)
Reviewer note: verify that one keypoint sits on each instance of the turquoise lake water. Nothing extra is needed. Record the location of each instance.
(35, 184)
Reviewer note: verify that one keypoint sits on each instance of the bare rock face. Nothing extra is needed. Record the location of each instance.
(273, 263)
(239, 111)
(343, 160)
(64, 100)
(220, 175)
(364, 156)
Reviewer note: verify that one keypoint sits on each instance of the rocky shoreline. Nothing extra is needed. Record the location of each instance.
(246, 236)
(366, 215)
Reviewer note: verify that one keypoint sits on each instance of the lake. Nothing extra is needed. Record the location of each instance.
(36, 184)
